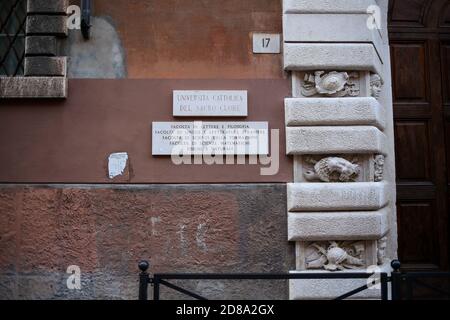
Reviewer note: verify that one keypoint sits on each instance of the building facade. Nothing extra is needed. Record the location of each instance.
(348, 94)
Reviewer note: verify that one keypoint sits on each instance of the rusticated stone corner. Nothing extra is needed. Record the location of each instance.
(47, 6)
(47, 24)
(45, 66)
(40, 45)
(33, 87)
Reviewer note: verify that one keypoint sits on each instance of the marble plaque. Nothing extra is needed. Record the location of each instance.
(266, 43)
(210, 103)
(210, 138)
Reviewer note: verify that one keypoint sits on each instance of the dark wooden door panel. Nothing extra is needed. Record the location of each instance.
(410, 74)
(413, 151)
(417, 234)
(445, 52)
(407, 13)
(420, 58)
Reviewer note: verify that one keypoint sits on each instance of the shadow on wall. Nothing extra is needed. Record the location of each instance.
(102, 56)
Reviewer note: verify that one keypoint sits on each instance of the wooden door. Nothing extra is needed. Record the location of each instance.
(419, 33)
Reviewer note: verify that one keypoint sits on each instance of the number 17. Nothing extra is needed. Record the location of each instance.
(265, 42)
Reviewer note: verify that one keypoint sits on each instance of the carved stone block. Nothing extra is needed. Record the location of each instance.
(378, 167)
(356, 225)
(334, 111)
(337, 196)
(331, 56)
(47, 24)
(47, 6)
(327, 6)
(33, 87)
(322, 168)
(335, 255)
(326, 27)
(40, 45)
(333, 139)
(336, 84)
(45, 66)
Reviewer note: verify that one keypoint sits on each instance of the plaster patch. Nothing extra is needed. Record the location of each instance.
(117, 163)
(102, 57)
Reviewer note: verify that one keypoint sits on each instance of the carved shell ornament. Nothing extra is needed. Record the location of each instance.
(330, 83)
(333, 169)
(337, 256)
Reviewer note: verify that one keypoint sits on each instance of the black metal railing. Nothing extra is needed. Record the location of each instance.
(163, 279)
(419, 285)
(13, 15)
(404, 285)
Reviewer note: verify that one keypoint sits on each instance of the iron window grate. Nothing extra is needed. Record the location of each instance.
(13, 15)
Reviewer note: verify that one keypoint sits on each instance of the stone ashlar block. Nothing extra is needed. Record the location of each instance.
(334, 111)
(321, 226)
(327, 6)
(338, 140)
(331, 28)
(45, 66)
(40, 45)
(331, 56)
(33, 87)
(47, 25)
(344, 196)
(47, 6)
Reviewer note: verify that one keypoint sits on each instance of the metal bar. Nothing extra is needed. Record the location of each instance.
(384, 286)
(428, 286)
(144, 280)
(261, 276)
(86, 18)
(156, 282)
(409, 287)
(182, 290)
(426, 275)
(143, 286)
(396, 280)
(353, 292)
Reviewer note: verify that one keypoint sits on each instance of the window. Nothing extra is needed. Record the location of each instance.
(13, 15)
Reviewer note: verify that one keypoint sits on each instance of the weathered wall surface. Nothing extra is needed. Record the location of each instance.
(69, 141)
(148, 48)
(176, 39)
(106, 230)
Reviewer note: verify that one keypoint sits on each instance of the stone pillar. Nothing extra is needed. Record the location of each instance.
(339, 130)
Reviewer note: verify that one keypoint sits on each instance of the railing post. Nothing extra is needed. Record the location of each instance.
(396, 280)
(156, 284)
(384, 286)
(144, 280)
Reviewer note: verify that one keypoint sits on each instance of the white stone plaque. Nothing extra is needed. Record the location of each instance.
(266, 43)
(210, 103)
(210, 138)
